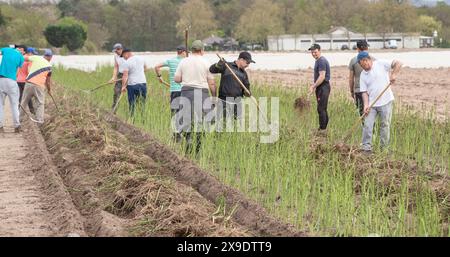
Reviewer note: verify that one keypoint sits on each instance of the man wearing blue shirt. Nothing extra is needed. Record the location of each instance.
(11, 61)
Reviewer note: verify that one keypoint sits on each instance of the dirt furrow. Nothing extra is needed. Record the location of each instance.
(33, 199)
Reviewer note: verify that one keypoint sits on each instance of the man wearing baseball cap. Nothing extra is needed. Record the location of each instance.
(376, 75)
(22, 74)
(230, 91)
(134, 81)
(37, 82)
(116, 78)
(175, 88)
(197, 82)
(11, 61)
(32, 50)
(48, 54)
(354, 76)
(321, 86)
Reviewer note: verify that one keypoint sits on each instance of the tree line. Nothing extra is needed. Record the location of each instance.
(90, 26)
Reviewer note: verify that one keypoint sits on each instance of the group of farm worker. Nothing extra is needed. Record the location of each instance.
(25, 75)
(25, 78)
(191, 78)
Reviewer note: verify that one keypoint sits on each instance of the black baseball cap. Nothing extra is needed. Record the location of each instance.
(24, 47)
(362, 44)
(246, 56)
(314, 47)
(125, 50)
(181, 48)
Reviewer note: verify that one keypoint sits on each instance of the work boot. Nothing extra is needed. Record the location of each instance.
(17, 129)
(177, 137)
(365, 152)
(321, 133)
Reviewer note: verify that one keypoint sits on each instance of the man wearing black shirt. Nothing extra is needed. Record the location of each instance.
(230, 91)
(321, 86)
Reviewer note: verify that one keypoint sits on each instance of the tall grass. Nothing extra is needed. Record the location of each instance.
(318, 194)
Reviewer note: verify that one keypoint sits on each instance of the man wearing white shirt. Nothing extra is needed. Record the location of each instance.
(134, 80)
(376, 76)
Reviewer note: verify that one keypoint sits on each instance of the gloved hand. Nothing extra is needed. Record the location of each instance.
(220, 64)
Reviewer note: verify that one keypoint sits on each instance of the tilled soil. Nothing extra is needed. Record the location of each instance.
(33, 200)
(124, 182)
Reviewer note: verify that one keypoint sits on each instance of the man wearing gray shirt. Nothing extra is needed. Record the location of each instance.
(119, 63)
(354, 77)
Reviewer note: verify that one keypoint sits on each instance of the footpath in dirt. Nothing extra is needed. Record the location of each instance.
(27, 205)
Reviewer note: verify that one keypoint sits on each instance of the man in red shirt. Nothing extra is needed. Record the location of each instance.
(22, 74)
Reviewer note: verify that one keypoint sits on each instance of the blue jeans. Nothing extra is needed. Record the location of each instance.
(138, 93)
(385, 113)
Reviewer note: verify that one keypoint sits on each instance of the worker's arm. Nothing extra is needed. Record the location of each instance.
(124, 80)
(212, 86)
(158, 71)
(178, 78)
(396, 67)
(48, 82)
(146, 68)
(351, 83)
(217, 67)
(365, 97)
(319, 81)
(246, 83)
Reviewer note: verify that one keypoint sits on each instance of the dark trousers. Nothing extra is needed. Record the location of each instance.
(192, 125)
(136, 93)
(359, 103)
(174, 108)
(232, 107)
(30, 103)
(174, 102)
(322, 94)
(117, 90)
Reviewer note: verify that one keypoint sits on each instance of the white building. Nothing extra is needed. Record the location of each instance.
(340, 37)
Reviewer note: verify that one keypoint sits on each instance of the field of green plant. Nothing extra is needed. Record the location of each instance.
(308, 182)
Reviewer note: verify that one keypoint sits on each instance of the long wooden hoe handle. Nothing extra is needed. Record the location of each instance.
(242, 85)
(104, 84)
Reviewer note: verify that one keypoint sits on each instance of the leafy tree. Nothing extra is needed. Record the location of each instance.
(69, 32)
(311, 17)
(199, 15)
(55, 35)
(428, 25)
(251, 29)
(67, 7)
(25, 27)
(2, 19)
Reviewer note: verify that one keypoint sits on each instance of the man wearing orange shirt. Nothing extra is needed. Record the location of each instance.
(38, 81)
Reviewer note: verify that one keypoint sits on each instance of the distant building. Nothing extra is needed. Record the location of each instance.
(222, 44)
(340, 38)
